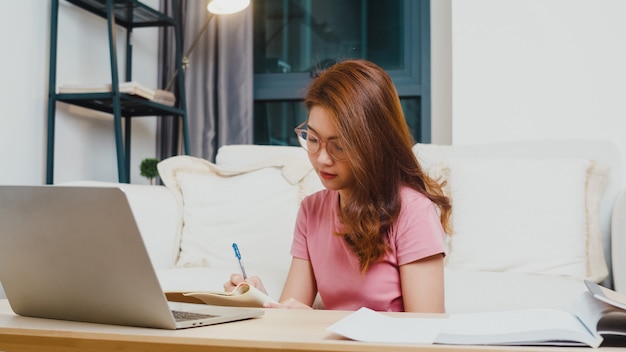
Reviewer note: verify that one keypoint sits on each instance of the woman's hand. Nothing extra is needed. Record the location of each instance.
(236, 279)
(290, 303)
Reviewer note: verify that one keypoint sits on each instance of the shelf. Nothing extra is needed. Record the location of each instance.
(128, 13)
(131, 105)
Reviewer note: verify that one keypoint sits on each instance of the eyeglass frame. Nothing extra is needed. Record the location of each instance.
(304, 144)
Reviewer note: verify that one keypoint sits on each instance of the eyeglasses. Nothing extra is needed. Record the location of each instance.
(312, 143)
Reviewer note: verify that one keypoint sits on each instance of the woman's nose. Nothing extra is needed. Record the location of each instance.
(323, 156)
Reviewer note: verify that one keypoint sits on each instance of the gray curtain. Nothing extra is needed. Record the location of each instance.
(218, 80)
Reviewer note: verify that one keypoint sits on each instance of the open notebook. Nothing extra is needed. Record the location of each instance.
(76, 253)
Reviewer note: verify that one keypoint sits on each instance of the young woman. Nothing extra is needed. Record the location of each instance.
(375, 236)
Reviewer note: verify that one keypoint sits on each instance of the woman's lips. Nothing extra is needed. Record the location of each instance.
(326, 175)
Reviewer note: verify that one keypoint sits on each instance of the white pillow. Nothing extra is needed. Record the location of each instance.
(246, 154)
(527, 215)
(254, 206)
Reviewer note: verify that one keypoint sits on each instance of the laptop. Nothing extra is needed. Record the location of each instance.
(76, 253)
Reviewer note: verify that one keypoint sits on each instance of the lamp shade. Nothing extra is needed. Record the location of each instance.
(224, 7)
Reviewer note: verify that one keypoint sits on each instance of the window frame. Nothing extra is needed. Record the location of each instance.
(411, 82)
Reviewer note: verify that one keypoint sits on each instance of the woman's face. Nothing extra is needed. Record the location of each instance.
(335, 175)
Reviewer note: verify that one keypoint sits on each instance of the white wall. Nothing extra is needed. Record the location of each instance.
(538, 69)
(85, 146)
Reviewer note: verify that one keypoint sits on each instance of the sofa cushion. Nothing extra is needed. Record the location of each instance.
(254, 205)
(527, 215)
(156, 214)
(487, 291)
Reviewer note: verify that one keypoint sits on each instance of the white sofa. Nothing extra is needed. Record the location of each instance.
(526, 227)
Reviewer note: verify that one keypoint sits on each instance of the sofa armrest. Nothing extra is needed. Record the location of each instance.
(618, 242)
(157, 215)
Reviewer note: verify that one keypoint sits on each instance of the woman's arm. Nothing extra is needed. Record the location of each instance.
(300, 288)
(423, 285)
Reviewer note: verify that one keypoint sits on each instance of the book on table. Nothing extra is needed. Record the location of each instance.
(596, 314)
(134, 88)
(243, 295)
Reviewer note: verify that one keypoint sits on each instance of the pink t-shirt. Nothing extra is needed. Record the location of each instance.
(417, 234)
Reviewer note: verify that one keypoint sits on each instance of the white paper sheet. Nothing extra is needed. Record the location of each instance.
(368, 325)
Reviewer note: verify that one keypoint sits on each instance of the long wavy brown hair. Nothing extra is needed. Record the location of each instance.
(372, 129)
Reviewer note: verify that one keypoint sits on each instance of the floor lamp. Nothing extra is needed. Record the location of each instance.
(215, 7)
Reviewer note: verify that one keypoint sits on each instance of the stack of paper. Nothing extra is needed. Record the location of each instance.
(596, 314)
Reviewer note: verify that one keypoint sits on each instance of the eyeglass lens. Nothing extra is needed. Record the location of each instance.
(311, 143)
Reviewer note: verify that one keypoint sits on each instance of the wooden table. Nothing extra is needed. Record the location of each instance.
(278, 329)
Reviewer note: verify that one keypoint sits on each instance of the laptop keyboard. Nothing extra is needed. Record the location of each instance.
(185, 316)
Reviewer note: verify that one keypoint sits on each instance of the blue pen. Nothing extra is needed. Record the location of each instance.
(238, 255)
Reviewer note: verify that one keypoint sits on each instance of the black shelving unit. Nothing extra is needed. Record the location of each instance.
(128, 14)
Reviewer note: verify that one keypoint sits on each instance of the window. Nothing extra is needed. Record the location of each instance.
(293, 38)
